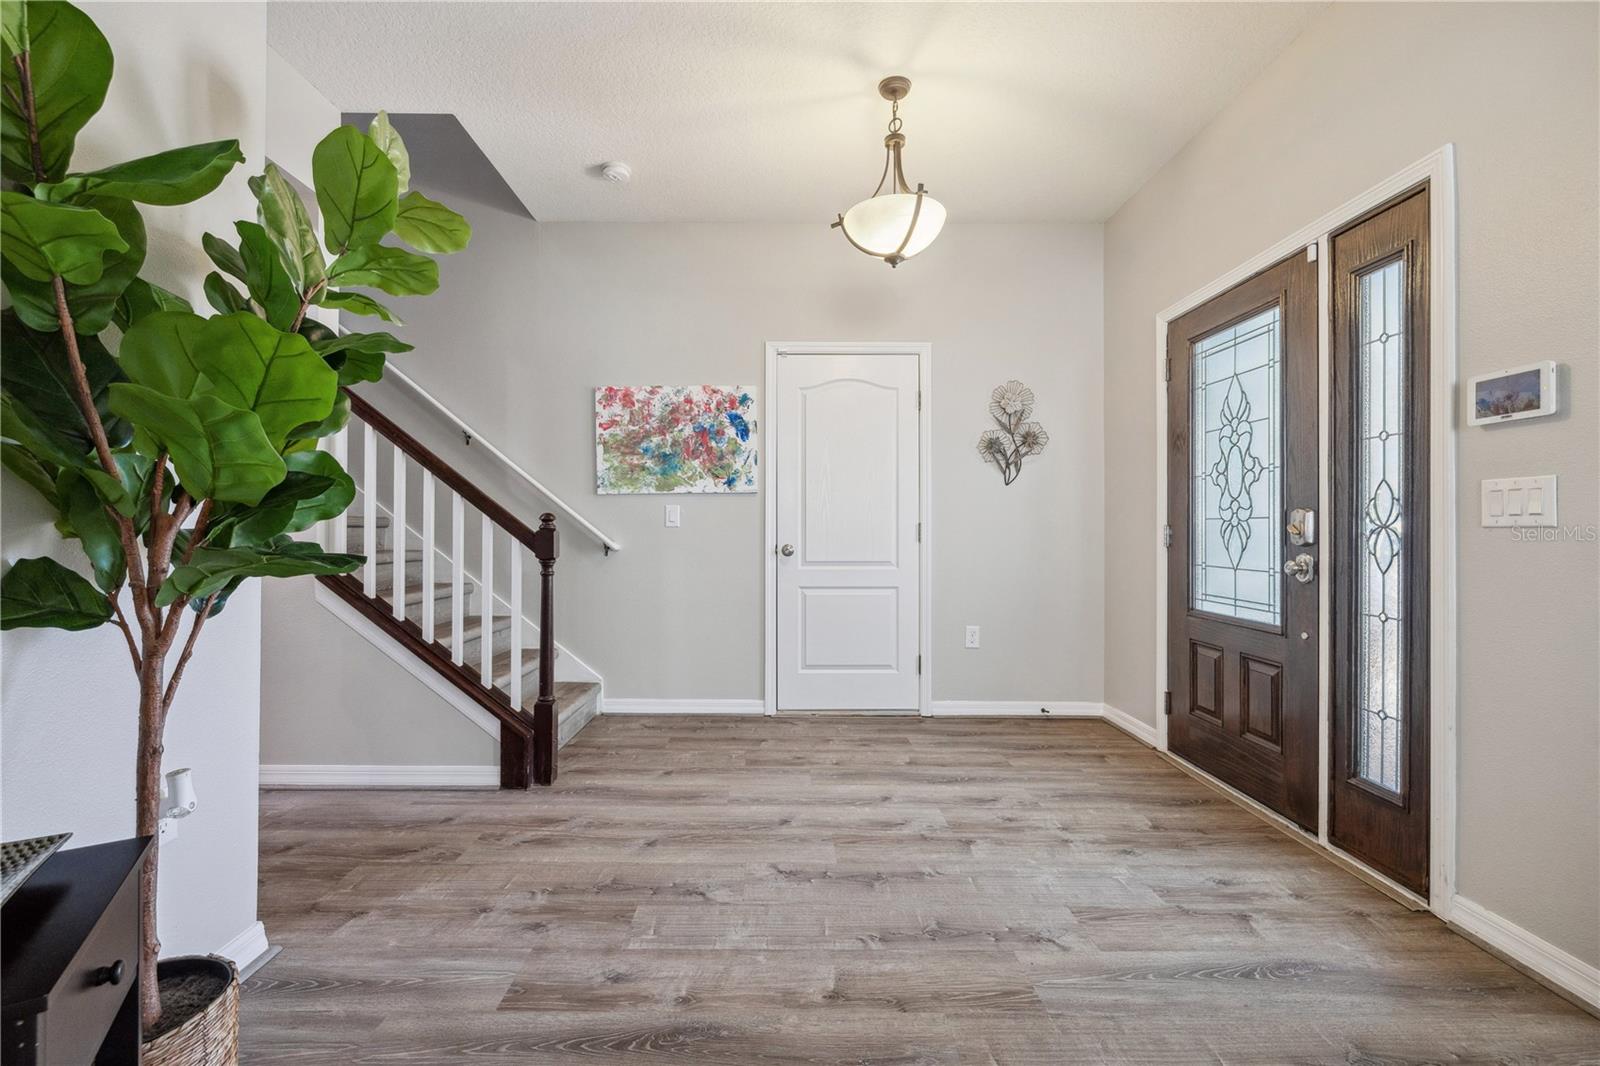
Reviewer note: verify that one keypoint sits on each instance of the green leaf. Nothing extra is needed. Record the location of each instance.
(85, 515)
(331, 501)
(219, 450)
(239, 526)
(41, 593)
(253, 366)
(70, 63)
(40, 439)
(380, 266)
(219, 599)
(357, 304)
(225, 255)
(143, 298)
(93, 306)
(429, 226)
(43, 240)
(159, 352)
(131, 495)
(37, 375)
(23, 463)
(269, 284)
(387, 138)
(14, 27)
(210, 569)
(359, 342)
(356, 189)
(358, 356)
(283, 215)
(224, 298)
(306, 436)
(176, 176)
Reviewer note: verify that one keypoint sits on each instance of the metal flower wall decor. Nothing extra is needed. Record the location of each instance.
(1011, 406)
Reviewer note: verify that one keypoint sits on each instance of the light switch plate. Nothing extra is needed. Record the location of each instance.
(1519, 501)
(674, 516)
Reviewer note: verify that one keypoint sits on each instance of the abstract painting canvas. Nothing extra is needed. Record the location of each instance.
(675, 438)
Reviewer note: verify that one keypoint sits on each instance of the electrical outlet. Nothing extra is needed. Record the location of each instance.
(674, 516)
(972, 636)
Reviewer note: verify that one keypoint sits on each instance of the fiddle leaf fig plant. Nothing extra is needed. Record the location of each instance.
(177, 447)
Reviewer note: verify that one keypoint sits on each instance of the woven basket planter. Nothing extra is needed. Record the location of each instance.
(196, 1030)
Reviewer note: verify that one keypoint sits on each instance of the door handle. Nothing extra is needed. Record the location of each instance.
(1302, 568)
(786, 551)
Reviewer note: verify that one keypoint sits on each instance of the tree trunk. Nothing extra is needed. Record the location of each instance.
(148, 818)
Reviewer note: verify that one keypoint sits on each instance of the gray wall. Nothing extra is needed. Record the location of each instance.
(535, 315)
(1366, 90)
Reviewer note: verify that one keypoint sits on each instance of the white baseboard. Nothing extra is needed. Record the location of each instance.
(292, 776)
(613, 705)
(1013, 709)
(1559, 967)
(1137, 728)
(247, 947)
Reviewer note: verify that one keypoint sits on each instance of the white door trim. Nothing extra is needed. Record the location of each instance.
(1438, 170)
(769, 525)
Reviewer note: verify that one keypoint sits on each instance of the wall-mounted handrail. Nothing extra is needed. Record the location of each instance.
(474, 437)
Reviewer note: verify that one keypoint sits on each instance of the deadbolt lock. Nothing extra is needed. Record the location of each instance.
(1302, 526)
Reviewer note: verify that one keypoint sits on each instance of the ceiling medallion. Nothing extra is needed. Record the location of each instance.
(897, 224)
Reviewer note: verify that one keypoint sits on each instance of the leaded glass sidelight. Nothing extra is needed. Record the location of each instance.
(1380, 558)
(1236, 497)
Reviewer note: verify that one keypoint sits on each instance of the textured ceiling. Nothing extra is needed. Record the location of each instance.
(769, 112)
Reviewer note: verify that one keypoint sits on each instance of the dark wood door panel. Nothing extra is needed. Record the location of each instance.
(1378, 797)
(1242, 638)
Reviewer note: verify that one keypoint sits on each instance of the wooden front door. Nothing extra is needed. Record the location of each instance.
(1242, 462)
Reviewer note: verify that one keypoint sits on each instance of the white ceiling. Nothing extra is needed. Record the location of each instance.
(769, 111)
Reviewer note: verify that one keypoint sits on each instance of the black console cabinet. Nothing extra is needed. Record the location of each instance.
(69, 950)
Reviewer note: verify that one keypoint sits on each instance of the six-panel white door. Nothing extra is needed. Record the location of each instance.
(847, 481)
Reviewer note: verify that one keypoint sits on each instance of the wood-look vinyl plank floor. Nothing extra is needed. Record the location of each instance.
(853, 890)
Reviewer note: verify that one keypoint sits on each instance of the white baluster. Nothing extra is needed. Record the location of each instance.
(397, 538)
(486, 607)
(369, 511)
(427, 555)
(458, 555)
(339, 448)
(516, 623)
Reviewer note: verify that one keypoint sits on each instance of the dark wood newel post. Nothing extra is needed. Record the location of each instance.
(546, 546)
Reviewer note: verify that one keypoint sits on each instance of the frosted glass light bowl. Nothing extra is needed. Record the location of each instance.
(879, 225)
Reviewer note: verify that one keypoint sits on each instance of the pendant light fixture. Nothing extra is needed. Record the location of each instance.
(897, 224)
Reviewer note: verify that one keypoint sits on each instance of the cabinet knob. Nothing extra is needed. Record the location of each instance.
(108, 975)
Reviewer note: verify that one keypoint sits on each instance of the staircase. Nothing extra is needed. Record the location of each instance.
(432, 590)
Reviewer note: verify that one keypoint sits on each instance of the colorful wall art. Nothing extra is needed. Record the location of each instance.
(675, 438)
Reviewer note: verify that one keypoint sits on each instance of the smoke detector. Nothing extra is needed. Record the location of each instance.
(616, 173)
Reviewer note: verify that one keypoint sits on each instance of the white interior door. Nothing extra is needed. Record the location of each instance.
(847, 476)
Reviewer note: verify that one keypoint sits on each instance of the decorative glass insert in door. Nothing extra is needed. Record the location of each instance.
(1380, 559)
(1237, 483)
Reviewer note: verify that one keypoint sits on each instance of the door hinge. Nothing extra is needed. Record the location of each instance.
(919, 666)
(1166, 702)
(1166, 536)
(919, 399)
(919, 532)
(1169, 368)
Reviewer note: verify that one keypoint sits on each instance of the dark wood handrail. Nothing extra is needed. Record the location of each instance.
(430, 461)
(528, 742)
